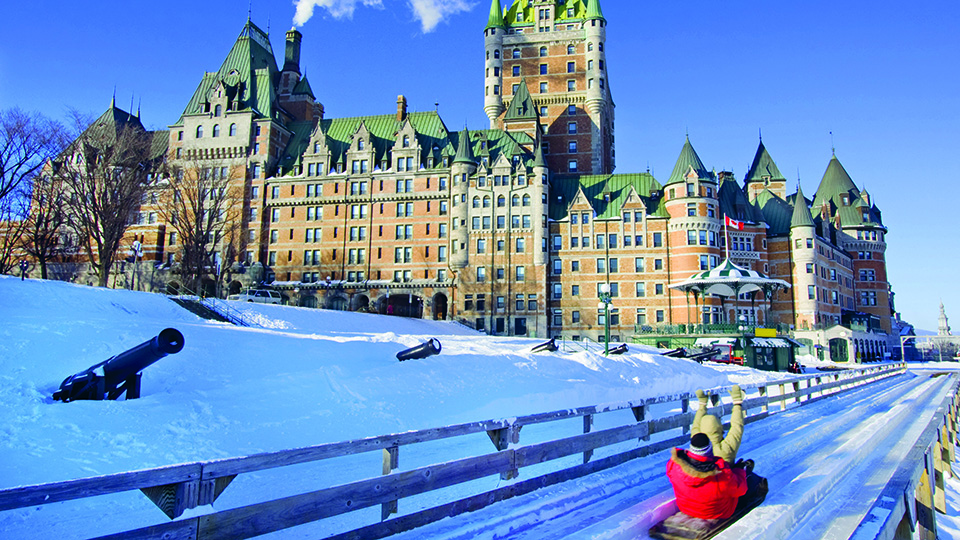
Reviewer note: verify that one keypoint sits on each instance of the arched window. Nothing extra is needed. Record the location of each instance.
(316, 148)
(526, 200)
(515, 201)
(516, 53)
(216, 129)
(543, 51)
(217, 110)
(233, 130)
(360, 144)
(486, 202)
(199, 132)
(496, 53)
(501, 201)
(476, 202)
(571, 49)
(406, 141)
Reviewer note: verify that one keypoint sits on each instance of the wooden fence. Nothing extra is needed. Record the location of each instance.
(177, 488)
(907, 506)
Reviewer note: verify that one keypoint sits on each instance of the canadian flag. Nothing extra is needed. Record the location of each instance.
(738, 225)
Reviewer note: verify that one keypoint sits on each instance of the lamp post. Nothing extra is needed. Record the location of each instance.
(605, 306)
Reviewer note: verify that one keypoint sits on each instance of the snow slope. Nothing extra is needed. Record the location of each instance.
(303, 377)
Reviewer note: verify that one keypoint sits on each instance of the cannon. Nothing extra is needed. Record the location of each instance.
(620, 349)
(549, 346)
(425, 349)
(121, 373)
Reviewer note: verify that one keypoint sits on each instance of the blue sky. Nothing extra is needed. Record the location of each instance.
(882, 76)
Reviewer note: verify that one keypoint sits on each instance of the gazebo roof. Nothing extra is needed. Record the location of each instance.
(728, 279)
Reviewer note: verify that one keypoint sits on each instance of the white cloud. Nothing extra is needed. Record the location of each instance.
(431, 12)
(337, 8)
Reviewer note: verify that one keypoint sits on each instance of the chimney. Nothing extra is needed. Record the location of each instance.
(401, 108)
(291, 58)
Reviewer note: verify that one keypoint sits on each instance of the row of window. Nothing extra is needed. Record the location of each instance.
(520, 274)
(516, 221)
(641, 319)
(640, 290)
(516, 53)
(522, 302)
(606, 241)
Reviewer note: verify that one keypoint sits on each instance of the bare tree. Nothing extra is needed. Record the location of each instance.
(201, 201)
(105, 172)
(12, 209)
(27, 141)
(45, 236)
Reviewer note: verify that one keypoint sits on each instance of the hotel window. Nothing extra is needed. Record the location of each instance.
(572, 166)
(571, 86)
(543, 51)
(543, 88)
(691, 209)
(572, 128)
(571, 67)
(520, 275)
(691, 238)
(641, 289)
(557, 291)
(572, 147)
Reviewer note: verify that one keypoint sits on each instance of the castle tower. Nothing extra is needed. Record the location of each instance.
(464, 166)
(493, 48)
(557, 48)
(802, 231)
(290, 75)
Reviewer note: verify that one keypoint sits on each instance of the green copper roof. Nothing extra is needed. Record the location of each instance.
(762, 166)
(594, 11)
(734, 203)
(835, 182)
(248, 73)
(776, 212)
(606, 193)
(496, 15)
(801, 212)
(106, 129)
(303, 88)
(564, 12)
(465, 149)
(522, 106)
(688, 159)
(538, 160)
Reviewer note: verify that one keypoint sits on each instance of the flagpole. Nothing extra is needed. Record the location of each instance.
(726, 237)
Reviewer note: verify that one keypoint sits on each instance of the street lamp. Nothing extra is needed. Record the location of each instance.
(605, 306)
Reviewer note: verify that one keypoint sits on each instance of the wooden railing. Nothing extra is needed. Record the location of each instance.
(907, 506)
(177, 488)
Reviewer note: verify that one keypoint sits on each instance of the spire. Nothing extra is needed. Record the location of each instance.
(688, 159)
(522, 106)
(538, 160)
(496, 16)
(763, 165)
(594, 11)
(465, 149)
(113, 100)
(835, 182)
(801, 212)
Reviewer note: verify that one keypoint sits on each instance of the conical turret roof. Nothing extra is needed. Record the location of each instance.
(594, 11)
(538, 160)
(688, 159)
(835, 182)
(464, 149)
(801, 212)
(496, 15)
(762, 166)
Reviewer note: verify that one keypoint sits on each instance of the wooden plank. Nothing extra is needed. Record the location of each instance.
(82, 488)
(550, 450)
(279, 514)
(175, 530)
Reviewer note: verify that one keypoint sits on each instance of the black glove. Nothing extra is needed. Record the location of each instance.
(746, 464)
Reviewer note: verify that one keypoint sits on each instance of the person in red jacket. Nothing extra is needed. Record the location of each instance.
(706, 486)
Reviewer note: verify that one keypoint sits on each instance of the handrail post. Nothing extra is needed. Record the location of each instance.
(502, 439)
(685, 408)
(587, 426)
(391, 460)
(765, 408)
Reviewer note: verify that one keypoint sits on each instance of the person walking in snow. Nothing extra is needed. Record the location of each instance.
(710, 425)
(705, 485)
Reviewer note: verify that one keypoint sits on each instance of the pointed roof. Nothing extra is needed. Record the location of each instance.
(776, 213)
(465, 149)
(538, 160)
(248, 74)
(522, 106)
(801, 212)
(688, 159)
(496, 16)
(762, 166)
(734, 202)
(594, 11)
(835, 182)
(303, 88)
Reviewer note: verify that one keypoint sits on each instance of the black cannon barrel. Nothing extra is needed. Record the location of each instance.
(121, 372)
(128, 363)
(425, 349)
(549, 346)
(620, 349)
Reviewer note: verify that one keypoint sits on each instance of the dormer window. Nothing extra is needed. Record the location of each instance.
(406, 141)
(360, 144)
(845, 199)
(218, 110)
(316, 148)
(199, 132)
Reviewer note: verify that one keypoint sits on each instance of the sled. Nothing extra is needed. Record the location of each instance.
(680, 526)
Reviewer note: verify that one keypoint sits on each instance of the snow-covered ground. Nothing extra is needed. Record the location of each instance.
(303, 377)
